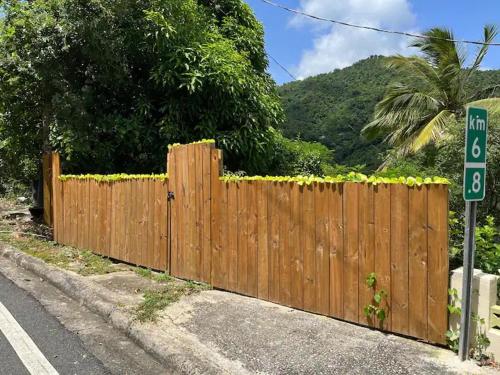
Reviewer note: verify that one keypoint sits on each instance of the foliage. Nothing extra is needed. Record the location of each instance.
(109, 83)
(480, 341)
(487, 254)
(351, 177)
(420, 110)
(374, 310)
(332, 108)
(113, 177)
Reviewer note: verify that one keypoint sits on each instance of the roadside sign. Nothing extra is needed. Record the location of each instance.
(476, 134)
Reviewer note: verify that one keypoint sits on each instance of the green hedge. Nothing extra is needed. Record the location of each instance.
(113, 177)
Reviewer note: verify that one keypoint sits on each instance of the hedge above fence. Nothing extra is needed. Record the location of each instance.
(351, 177)
(113, 177)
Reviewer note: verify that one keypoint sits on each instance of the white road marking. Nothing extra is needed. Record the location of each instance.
(25, 348)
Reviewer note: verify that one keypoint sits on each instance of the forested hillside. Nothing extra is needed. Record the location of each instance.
(332, 108)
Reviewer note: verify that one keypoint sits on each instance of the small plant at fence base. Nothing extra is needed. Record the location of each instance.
(375, 309)
(480, 341)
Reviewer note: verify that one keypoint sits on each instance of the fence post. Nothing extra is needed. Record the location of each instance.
(56, 194)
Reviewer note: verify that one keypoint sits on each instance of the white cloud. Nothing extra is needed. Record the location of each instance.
(339, 46)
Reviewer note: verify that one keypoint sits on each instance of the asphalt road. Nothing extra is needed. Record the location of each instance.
(71, 339)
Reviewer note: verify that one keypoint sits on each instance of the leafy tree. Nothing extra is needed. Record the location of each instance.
(109, 83)
(419, 110)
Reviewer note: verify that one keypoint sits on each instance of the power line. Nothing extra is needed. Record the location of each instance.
(375, 28)
(282, 67)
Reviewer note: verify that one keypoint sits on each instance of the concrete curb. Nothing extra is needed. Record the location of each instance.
(173, 349)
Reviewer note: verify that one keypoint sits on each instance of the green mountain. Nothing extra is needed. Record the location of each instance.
(332, 108)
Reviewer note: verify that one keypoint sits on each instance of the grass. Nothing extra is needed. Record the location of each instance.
(157, 300)
(81, 261)
(156, 276)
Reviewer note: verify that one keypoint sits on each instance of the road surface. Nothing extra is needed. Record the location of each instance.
(34, 341)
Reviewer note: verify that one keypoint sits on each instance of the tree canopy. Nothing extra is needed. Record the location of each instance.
(110, 83)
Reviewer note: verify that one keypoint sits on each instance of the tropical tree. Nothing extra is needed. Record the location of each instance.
(419, 110)
(110, 83)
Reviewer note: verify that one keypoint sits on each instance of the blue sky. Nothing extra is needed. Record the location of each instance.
(307, 47)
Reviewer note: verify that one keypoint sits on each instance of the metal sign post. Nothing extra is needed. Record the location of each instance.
(476, 134)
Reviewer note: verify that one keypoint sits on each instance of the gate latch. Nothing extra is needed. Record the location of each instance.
(170, 195)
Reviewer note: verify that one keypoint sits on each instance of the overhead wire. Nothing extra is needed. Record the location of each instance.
(377, 29)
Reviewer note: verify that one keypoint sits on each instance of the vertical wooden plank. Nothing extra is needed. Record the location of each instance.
(191, 230)
(163, 224)
(335, 212)
(200, 224)
(351, 255)
(109, 215)
(284, 244)
(70, 217)
(232, 228)
(215, 209)
(252, 250)
(322, 245)
(382, 213)
(274, 239)
(206, 233)
(437, 253)
(150, 225)
(173, 186)
(79, 205)
(101, 202)
(134, 249)
(417, 262)
(114, 251)
(183, 240)
(157, 213)
(399, 258)
(223, 261)
(263, 244)
(119, 238)
(66, 231)
(126, 244)
(309, 231)
(86, 213)
(296, 247)
(92, 217)
(242, 238)
(366, 250)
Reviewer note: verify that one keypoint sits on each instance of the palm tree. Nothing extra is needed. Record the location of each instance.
(418, 111)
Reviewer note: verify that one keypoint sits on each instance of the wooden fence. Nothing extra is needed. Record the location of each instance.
(309, 247)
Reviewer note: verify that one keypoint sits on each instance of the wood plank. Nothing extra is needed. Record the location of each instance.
(92, 215)
(206, 231)
(223, 256)
(191, 230)
(284, 244)
(79, 220)
(382, 213)
(120, 234)
(399, 258)
(134, 250)
(182, 242)
(126, 244)
(109, 213)
(351, 237)
(157, 213)
(65, 231)
(173, 186)
(336, 250)
(215, 209)
(437, 253)
(296, 247)
(232, 204)
(263, 244)
(163, 238)
(252, 239)
(101, 203)
(200, 224)
(274, 238)
(309, 231)
(86, 214)
(150, 260)
(322, 249)
(243, 238)
(366, 251)
(417, 262)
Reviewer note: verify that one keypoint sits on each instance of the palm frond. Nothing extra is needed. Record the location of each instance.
(490, 32)
(433, 131)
